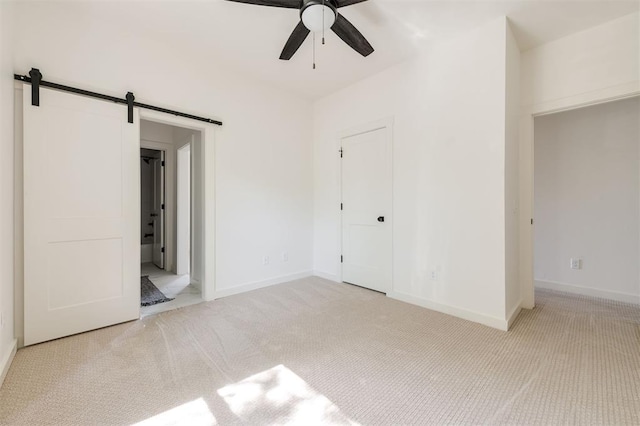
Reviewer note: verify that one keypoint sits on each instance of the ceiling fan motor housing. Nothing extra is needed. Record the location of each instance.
(318, 14)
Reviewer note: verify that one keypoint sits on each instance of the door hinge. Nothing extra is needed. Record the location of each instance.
(162, 207)
(341, 206)
(162, 250)
(341, 258)
(162, 164)
(532, 221)
(341, 151)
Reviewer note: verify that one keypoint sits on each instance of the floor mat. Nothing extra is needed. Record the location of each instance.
(149, 293)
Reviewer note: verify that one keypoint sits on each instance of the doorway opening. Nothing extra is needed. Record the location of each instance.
(152, 206)
(170, 253)
(587, 201)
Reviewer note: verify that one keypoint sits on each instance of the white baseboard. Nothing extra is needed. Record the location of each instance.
(261, 284)
(498, 323)
(514, 314)
(7, 359)
(588, 291)
(327, 276)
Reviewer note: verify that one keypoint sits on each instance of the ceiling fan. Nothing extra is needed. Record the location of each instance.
(318, 15)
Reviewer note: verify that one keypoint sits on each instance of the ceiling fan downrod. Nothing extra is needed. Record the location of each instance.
(323, 27)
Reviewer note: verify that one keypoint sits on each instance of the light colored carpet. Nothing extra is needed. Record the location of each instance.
(312, 351)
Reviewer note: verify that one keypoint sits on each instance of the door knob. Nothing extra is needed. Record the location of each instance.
(380, 218)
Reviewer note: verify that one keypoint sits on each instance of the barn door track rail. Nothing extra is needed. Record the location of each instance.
(36, 81)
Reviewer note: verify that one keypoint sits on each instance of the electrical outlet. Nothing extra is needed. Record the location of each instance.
(265, 260)
(285, 257)
(433, 275)
(576, 264)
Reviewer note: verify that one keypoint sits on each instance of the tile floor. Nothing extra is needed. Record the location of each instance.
(174, 286)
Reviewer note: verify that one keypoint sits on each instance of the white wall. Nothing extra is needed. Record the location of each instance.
(449, 116)
(7, 342)
(603, 59)
(156, 132)
(587, 200)
(263, 152)
(595, 65)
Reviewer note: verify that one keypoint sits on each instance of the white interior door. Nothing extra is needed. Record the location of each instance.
(366, 209)
(158, 211)
(81, 215)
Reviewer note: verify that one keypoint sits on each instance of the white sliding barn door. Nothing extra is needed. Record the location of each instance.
(366, 214)
(81, 215)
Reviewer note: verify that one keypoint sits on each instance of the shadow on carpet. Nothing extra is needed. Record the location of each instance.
(149, 293)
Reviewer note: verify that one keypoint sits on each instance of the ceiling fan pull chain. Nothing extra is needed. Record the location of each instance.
(314, 50)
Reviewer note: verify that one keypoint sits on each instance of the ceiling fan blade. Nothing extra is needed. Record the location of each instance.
(350, 35)
(291, 4)
(343, 3)
(300, 32)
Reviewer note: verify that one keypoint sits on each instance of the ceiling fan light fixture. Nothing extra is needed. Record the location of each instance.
(312, 17)
(318, 16)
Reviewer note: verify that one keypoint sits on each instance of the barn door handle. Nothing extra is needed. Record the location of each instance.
(380, 218)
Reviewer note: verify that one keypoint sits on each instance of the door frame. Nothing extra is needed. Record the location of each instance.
(207, 194)
(384, 123)
(526, 165)
(183, 265)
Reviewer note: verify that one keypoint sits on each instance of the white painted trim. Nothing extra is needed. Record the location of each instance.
(208, 194)
(383, 123)
(597, 97)
(183, 208)
(327, 276)
(371, 126)
(7, 359)
(513, 315)
(158, 146)
(588, 291)
(18, 214)
(465, 314)
(261, 284)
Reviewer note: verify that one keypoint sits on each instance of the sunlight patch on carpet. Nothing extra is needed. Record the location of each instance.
(279, 390)
(193, 413)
